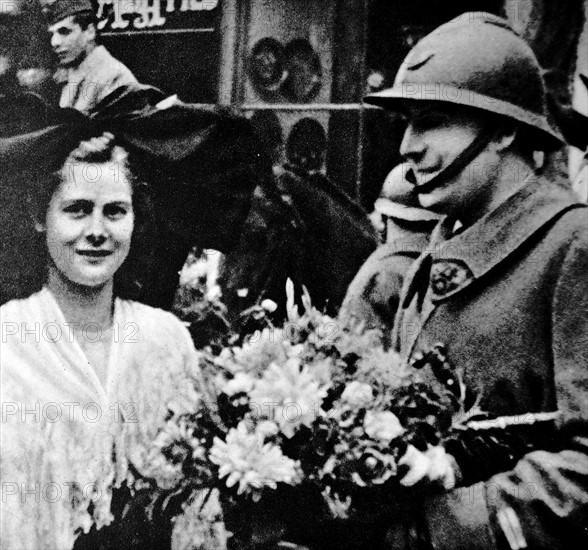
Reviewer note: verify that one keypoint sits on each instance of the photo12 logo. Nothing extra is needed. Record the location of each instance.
(54, 332)
(51, 492)
(52, 412)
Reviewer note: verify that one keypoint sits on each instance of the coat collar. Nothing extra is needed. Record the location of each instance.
(87, 67)
(457, 260)
(499, 233)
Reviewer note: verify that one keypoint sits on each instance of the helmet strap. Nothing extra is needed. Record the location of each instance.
(479, 143)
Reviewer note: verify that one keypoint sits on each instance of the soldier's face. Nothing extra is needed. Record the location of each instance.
(435, 135)
(70, 42)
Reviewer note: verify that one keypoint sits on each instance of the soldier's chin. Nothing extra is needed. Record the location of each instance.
(428, 183)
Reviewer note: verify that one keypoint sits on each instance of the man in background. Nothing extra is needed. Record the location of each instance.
(87, 71)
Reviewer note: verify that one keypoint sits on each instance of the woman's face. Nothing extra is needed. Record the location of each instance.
(89, 222)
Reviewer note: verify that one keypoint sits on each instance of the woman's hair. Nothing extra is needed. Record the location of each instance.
(130, 278)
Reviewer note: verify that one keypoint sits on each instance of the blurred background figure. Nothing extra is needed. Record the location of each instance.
(304, 71)
(580, 179)
(34, 79)
(306, 147)
(23, 84)
(268, 129)
(396, 205)
(404, 227)
(580, 173)
(10, 47)
(266, 66)
(8, 80)
(24, 63)
(572, 121)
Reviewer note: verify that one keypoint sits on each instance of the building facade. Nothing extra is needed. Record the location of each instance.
(300, 68)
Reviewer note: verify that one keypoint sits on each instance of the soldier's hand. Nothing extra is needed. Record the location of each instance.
(434, 466)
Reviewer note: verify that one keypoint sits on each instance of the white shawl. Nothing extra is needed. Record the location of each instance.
(61, 426)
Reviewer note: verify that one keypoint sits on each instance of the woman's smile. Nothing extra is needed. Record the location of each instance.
(95, 253)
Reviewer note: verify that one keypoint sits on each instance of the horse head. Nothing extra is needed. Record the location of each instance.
(265, 255)
(338, 237)
(302, 229)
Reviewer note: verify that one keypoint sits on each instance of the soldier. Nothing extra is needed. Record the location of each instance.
(87, 71)
(502, 285)
(374, 293)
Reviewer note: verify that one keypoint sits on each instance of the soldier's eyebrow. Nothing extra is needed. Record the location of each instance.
(416, 113)
(432, 109)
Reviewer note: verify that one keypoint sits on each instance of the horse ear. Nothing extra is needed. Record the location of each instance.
(291, 308)
(306, 300)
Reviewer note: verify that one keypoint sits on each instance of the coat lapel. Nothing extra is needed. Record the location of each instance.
(453, 262)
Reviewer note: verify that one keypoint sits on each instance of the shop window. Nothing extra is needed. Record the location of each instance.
(289, 77)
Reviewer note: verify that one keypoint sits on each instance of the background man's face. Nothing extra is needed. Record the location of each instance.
(70, 42)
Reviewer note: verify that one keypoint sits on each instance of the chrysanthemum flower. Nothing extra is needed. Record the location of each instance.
(357, 395)
(383, 426)
(173, 446)
(244, 459)
(358, 341)
(241, 383)
(289, 395)
(266, 428)
(256, 354)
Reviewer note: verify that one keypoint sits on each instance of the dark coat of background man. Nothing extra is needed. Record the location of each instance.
(87, 71)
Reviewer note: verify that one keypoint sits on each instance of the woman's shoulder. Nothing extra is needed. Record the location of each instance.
(19, 307)
(150, 321)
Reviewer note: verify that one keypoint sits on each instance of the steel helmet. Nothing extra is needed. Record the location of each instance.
(476, 60)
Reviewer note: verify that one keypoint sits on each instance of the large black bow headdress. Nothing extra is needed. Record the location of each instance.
(202, 165)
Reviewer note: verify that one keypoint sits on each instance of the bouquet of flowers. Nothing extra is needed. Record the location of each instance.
(317, 419)
(315, 406)
(198, 299)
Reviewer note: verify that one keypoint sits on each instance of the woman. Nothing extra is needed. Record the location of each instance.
(88, 376)
(502, 285)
